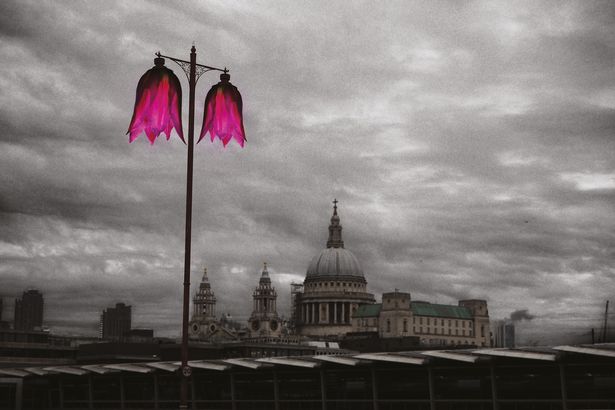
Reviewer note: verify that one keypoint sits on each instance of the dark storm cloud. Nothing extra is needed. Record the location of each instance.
(522, 314)
(469, 144)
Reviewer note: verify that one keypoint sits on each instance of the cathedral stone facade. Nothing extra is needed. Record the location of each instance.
(333, 289)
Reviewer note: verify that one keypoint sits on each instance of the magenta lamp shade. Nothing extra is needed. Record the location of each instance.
(158, 106)
(222, 117)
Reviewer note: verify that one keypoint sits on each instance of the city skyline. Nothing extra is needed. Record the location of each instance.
(470, 146)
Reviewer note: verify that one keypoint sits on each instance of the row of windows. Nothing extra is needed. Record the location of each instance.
(464, 332)
(449, 342)
(436, 331)
(443, 321)
(333, 284)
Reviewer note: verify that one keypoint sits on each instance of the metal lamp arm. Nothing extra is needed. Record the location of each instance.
(200, 69)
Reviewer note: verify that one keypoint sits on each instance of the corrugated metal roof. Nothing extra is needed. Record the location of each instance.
(435, 310)
(398, 357)
(412, 357)
(458, 355)
(372, 310)
(605, 349)
(518, 354)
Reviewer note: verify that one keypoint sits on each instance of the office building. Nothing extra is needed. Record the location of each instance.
(29, 311)
(115, 322)
(504, 333)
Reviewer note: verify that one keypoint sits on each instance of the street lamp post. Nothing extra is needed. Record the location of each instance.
(153, 116)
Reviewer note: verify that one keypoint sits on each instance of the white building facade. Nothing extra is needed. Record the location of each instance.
(434, 324)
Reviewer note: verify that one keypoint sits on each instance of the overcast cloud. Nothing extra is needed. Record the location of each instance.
(470, 144)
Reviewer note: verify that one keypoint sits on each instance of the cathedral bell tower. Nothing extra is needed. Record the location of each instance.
(203, 321)
(264, 320)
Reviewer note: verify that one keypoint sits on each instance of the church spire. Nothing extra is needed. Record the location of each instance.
(265, 275)
(335, 230)
(205, 281)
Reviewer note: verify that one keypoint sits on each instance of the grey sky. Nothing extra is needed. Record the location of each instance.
(470, 144)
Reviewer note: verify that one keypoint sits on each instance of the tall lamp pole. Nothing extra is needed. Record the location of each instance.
(156, 111)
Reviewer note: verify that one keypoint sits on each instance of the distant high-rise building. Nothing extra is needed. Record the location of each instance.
(504, 334)
(29, 311)
(115, 322)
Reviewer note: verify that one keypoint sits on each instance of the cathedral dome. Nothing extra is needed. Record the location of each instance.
(334, 260)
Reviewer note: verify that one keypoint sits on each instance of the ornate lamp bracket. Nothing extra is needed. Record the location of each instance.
(185, 66)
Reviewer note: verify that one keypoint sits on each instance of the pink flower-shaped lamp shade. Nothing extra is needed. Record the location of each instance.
(158, 105)
(222, 117)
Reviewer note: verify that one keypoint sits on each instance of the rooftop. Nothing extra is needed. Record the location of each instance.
(372, 310)
(577, 354)
(437, 310)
